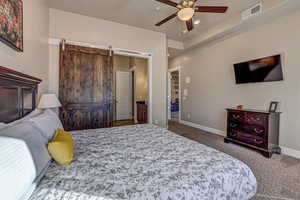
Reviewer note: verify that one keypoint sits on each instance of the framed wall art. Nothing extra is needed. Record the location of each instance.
(11, 23)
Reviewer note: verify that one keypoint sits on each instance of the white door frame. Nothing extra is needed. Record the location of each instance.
(169, 91)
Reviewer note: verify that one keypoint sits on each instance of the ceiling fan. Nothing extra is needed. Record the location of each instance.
(187, 9)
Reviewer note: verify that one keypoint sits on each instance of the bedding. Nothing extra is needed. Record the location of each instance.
(34, 113)
(17, 171)
(145, 162)
(26, 132)
(2, 126)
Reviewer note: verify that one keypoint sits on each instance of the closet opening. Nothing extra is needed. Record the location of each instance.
(174, 96)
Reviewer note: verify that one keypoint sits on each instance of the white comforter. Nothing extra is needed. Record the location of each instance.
(146, 162)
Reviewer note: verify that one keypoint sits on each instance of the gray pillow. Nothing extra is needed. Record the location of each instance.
(2, 126)
(32, 137)
(34, 113)
(47, 123)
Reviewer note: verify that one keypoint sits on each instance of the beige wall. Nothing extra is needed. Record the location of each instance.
(121, 63)
(100, 32)
(34, 60)
(141, 79)
(213, 88)
(140, 82)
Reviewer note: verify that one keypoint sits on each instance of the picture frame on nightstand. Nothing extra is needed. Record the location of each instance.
(273, 106)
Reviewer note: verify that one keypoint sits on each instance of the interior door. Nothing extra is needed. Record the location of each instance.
(124, 95)
(85, 87)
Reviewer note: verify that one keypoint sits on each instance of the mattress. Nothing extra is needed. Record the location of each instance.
(145, 162)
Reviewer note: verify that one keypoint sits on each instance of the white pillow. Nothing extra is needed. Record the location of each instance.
(17, 171)
(47, 123)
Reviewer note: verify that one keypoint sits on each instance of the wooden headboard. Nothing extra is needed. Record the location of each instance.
(18, 93)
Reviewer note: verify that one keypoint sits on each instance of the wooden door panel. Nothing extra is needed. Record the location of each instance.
(85, 88)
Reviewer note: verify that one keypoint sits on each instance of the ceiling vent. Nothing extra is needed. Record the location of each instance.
(253, 11)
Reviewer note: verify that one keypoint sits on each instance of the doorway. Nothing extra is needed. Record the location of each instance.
(174, 94)
(131, 78)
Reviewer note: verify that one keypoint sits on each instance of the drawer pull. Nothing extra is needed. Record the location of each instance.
(255, 119)
(233, 134)
(258, 141)
(258, 130)
(233, 125)
(236, 116)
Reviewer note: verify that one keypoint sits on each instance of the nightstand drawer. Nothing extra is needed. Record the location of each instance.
(256, 130)
(253, 140)
(256, 118)
(232, 124)
(232, 134)
(236, 116)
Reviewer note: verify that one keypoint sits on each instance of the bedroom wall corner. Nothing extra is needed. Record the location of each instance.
(34, 60)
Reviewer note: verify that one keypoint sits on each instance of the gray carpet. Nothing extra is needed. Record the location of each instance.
(278, 178)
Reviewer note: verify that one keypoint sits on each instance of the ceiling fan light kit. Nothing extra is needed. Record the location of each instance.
(187, 10)
(186, 14)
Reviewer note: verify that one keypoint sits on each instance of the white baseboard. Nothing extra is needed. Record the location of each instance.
(204, 128)
(290, 152)
(285, 150)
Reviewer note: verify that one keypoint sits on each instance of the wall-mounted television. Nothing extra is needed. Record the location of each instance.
(260, 70)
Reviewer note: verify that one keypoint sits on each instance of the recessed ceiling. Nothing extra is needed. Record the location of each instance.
(146, 13)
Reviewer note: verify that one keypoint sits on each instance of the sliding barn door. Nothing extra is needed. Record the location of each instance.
(85, 88)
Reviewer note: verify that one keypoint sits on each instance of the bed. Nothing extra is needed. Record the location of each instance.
(144, 162)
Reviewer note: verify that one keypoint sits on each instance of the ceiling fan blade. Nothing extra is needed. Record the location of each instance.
(211, 9)
(189, 25)
(166, 19)
(168, 2)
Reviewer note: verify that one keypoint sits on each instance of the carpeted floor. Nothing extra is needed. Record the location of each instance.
(278, 178)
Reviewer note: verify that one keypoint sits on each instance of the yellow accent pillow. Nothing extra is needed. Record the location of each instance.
(61, 148)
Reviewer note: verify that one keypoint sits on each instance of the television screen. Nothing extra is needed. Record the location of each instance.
(261, 70)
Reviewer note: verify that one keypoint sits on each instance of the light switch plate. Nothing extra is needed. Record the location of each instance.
(185, 92)
(187, 80)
